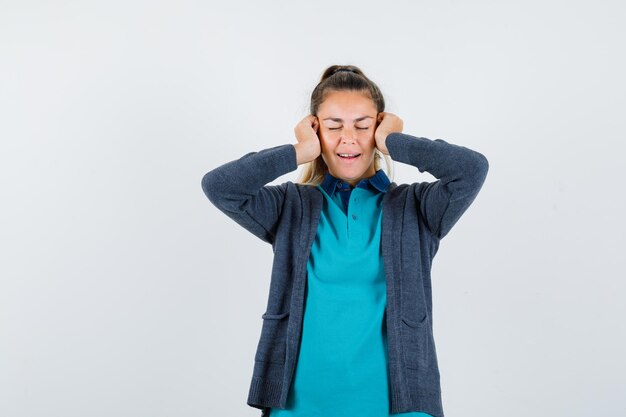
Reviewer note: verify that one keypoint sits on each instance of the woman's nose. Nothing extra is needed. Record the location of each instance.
(349, 136)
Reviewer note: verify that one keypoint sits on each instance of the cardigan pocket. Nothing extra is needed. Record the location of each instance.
(273, 341)
(415, 336)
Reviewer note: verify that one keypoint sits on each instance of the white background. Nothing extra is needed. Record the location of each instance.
(124, 292)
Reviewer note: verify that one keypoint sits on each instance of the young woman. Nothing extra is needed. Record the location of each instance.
(348, 326)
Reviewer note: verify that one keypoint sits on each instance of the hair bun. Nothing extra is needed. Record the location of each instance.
(344, 69)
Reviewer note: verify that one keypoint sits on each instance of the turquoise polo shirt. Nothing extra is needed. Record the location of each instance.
(342, 367)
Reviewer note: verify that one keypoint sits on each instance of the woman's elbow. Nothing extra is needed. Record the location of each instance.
(211, 185)
(478, 167)
(483, 164)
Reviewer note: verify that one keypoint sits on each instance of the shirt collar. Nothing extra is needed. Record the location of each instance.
(378, 181)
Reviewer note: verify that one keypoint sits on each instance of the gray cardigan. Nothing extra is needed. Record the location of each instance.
(415, 218)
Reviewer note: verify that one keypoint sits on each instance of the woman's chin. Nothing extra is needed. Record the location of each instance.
(349, 172)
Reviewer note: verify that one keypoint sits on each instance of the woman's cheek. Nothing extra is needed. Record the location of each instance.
(326, 143)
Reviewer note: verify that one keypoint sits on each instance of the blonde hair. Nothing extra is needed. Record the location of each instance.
(339, 78)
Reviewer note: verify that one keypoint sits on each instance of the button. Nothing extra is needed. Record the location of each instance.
(354, 216)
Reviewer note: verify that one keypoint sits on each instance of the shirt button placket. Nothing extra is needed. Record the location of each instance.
(354, 227)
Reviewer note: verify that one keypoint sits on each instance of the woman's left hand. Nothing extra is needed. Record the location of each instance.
(386, 123)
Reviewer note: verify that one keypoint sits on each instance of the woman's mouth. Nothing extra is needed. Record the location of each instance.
(348, 156)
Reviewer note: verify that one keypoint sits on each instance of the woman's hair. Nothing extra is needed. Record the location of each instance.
(342, 78)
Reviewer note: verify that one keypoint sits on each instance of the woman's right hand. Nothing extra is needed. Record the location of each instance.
(308, 147)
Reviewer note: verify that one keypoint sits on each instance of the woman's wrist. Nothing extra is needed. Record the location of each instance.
(303, 153)
(381, 142)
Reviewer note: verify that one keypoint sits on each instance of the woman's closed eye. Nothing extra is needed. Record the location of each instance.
(337, 128)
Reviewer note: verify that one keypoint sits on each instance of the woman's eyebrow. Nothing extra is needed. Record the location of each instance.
(336, 119)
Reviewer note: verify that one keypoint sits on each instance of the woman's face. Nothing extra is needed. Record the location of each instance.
(347, 125)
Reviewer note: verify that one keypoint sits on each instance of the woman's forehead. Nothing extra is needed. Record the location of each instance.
(347, 105)
(349, 111)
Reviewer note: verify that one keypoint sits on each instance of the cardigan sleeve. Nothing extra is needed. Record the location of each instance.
(238, 188)
(460, 174)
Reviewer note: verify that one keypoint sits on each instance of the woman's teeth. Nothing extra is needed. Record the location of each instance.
(348, 155)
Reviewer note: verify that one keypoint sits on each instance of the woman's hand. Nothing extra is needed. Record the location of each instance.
(308, 147)
(386, 123)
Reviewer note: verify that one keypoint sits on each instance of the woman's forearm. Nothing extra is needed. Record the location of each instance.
(460, 174)
(238, 188)
(444, 160)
